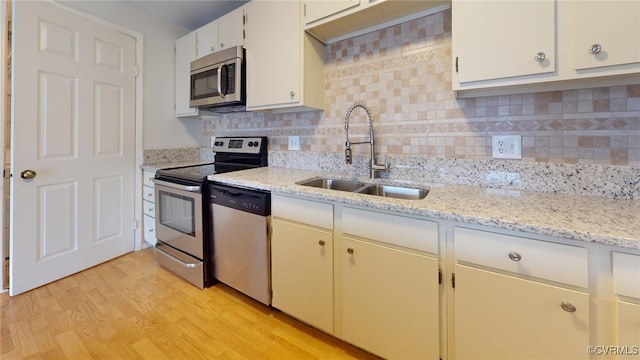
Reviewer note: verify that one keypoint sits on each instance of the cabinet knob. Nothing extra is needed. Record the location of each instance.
(321, 242)
(213, 48)
(350, 251)
(595, 49)
(292, 94)
(540, 57)
(567, 306)
(515, 256)
(221, 45)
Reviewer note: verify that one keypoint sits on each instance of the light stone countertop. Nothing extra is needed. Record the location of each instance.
(592, 219)
(174, 164)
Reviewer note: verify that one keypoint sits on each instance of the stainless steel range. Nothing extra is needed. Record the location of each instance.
(183, 219)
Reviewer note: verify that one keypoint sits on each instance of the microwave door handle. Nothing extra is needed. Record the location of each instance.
(220, 81)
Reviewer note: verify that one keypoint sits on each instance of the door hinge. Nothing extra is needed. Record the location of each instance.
(439, 276)
(136, 70)
(135, 224)
(456, 64)
(305, 9)
(453, 280)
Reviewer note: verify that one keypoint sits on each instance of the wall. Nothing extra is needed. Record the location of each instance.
(403, 74)
(161, 129)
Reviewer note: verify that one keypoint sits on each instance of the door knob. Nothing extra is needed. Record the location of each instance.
(28, 174)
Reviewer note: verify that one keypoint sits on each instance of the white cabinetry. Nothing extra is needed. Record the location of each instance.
(331, 21)
(302, 260)
(390, 287)
(148, 204)
(284, 64)
(185, 54)
(543, 45)
(626, 279)
(518, 297)
(225, 32)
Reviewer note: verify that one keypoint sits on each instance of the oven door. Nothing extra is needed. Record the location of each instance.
(179, 217)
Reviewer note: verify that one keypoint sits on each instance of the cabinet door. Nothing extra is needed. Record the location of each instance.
(390, 301)
(628, 324)
(185, 54)
(318, 9)
(302, 273)
(207, 39)
(499, 39)
(614, 26)
(273, 49)
(230, 28)
(503, 317)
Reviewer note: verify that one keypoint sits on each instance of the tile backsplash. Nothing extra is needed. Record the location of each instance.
(403, 74)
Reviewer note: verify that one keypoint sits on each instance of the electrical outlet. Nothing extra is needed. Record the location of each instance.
(506, 146)
(294, 142)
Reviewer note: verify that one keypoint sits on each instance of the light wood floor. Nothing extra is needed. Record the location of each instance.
(130, 308)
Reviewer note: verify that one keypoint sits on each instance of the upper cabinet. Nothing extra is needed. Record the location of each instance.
(494, 50)
(334, 20)
(220, 34)
(285, 66)
(543, 45)
(185, 54)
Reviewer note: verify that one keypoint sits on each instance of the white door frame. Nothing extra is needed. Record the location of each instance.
(139, 116)
(4, 31)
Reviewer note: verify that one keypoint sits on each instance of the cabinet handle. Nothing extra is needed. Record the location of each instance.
(350, 251)
(540, 57)
(515, 256)
(595, 49)
(567, 306)
(321, 242)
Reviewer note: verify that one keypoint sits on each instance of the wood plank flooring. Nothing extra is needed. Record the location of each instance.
(130, 308)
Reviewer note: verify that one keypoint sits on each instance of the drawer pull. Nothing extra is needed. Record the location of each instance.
(321, 242)
(515, 256)
(568, 307)
(350, 251)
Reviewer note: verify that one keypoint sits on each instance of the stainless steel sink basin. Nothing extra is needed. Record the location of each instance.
(391, 191)
(398, 192)
(334, 184)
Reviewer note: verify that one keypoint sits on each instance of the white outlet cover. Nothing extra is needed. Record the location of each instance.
(294, 142)
(506, 146)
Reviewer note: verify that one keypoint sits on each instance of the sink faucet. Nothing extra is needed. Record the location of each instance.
(373, 166)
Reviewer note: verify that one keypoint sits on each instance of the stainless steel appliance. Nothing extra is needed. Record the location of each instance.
(218, 81)
(241, 258)
(183, 232)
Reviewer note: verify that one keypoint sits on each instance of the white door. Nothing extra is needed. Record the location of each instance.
(73, 124)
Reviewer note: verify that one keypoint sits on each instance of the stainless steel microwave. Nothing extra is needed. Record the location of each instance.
(218, 81)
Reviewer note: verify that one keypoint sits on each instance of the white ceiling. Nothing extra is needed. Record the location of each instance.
(186, 14)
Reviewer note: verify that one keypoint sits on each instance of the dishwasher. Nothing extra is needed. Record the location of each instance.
(241, 243)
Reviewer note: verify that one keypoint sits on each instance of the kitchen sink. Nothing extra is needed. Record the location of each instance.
(391, 191)
(398, 192)
(334, 184)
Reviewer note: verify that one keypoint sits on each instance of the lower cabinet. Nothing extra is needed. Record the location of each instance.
(390, 301)
(500, 316)
(302, 272)
(626, 280)
(628, 328)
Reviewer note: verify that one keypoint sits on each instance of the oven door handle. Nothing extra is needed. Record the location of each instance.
(177, 186)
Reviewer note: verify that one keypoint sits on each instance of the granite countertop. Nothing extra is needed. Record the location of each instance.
(173, 164)
(592, 219)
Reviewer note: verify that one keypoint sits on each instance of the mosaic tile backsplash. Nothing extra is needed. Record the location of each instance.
(403, 74)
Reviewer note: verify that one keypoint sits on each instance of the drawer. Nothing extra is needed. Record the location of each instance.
(148, 193)
(149, 208)
(626, 274)
(149, 228)
(304, 211)
(418, 234)
(555, 262)
(147, 177)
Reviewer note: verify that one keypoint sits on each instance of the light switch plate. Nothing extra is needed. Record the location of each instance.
(294, 142)
(506, 146)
